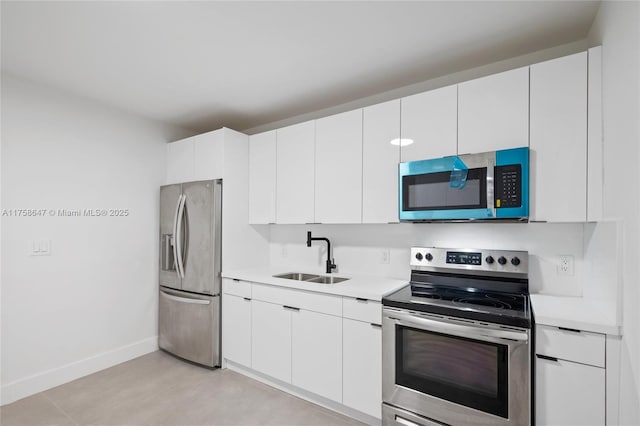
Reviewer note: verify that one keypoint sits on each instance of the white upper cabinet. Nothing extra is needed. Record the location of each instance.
(180, 161)
(295, 173)
(338, 180)
(208, 151)
(493, 112)
(199, 157)
(429, 119)
(262, 178)
(380, 162)
(595, 170)
(559, 139)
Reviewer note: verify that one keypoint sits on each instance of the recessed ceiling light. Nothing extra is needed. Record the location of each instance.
(401, 142)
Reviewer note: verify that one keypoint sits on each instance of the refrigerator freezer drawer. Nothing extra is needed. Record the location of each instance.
(188, 326)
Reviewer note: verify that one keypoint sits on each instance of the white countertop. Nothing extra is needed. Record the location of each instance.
(362, 286)
(575, 312)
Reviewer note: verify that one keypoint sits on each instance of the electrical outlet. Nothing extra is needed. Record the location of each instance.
(384, 256)
(565, 264)
(283, 251)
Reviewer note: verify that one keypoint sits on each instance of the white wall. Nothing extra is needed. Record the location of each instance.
(91, 303)
(357, 248)
(616, 27)
(446, 80)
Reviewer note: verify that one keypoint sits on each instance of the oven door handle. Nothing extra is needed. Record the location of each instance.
(456, 329)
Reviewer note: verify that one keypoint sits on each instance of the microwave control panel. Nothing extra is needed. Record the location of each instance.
(508, 186)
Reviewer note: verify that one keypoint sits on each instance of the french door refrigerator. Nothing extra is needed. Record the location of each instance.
(190, 259)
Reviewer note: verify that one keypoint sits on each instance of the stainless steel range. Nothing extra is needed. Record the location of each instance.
(456, 346)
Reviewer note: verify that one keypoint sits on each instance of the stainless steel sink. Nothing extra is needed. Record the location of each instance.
(327, 280)
(299, 276)
(311, 278)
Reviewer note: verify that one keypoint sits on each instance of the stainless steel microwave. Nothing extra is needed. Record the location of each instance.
(485, 186)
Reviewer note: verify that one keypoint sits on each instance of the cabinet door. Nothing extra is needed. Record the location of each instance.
(559, 139)
(362, 367)
(493, 112)
(295, 173)
(381, 126)
(271, 340)
(568, 393)
(262, 178)
(338, 182)
(180, 161)
(595, 170)
(316, 360)
(430, 120)
(236, 329)
(209, 156)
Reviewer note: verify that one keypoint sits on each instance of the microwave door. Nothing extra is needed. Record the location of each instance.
(431, 196)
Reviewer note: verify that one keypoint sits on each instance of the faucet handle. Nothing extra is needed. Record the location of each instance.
(330, 265)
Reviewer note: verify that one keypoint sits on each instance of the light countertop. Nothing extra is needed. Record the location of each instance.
(362, 286)
(575, 312)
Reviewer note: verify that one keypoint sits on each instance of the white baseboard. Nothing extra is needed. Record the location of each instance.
(57, 376)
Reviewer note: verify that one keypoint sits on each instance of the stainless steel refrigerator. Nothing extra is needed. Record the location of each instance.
(190, 260)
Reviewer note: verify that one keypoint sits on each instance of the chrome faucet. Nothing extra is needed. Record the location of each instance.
(330, 264)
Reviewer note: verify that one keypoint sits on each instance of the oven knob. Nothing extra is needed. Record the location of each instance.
(515, 261)
(489, 259)
(419, 256)
(502, 260)
(428, 256)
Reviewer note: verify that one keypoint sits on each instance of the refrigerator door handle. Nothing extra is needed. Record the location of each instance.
(174, 240)
(178, 235)
(185, 299)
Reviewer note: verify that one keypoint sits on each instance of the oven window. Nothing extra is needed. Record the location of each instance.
(432, 191)
(464, 371)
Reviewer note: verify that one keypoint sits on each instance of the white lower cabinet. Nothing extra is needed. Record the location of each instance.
(362, 366)
(328, 345)
(236, 329)
(316, 353)
(271, 340)
(569, 393)
(570, 377)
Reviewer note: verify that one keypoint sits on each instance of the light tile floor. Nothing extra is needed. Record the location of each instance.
(158, 389)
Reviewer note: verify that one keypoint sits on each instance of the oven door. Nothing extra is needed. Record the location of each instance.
(456, 372)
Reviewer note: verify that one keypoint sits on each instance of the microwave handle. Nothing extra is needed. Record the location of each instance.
(491, 202)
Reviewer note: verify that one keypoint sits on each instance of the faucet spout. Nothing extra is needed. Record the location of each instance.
(329, 263)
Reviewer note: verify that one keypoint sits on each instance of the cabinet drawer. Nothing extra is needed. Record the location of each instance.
(236, 287)
(323, 303)
(578, 346)
(362, 310)
(569, 394)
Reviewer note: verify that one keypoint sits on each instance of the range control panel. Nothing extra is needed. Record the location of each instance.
(464, 258)
(487, 261)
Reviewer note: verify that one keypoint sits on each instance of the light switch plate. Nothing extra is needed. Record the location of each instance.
(39, 247)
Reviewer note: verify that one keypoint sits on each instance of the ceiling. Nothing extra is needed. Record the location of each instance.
(203, 65)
